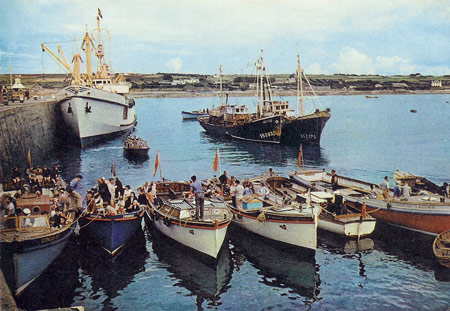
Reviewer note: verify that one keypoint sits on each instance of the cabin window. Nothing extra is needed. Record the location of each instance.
(125, 113)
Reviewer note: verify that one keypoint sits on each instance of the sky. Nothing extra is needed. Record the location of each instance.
(195, 36)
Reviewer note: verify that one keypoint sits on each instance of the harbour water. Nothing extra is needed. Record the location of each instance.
(365, 138)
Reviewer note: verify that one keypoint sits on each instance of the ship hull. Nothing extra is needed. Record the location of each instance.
(277, 129)
(93, 115)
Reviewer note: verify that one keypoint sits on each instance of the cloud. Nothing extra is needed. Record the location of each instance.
(315, 68)
(394, 65)
(174, 64)
(352, 61)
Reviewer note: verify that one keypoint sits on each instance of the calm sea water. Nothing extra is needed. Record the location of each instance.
(365, 138)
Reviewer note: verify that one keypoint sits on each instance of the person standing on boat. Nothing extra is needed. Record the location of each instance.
(119, 188)
(385, 187)
(197, 187)
(103, 190)
(405, 189)
(73, 190)
(239, 194)
(334, 180)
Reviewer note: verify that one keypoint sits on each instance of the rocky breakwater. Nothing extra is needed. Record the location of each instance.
(33, 126)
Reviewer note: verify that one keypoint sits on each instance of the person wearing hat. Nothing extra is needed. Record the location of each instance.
(27, 222)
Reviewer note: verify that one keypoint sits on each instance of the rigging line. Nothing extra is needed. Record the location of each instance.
(59, 41)
(314, 93)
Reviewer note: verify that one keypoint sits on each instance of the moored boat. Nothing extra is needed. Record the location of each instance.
(95, 106)
(441, 248)
(172, 213)
(193, 115)
(421, 211)
(135, 147)
(277, 215)
(273, 121)
(111, 232)
(30, 241)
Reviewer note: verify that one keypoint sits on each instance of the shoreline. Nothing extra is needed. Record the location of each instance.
(194, 94)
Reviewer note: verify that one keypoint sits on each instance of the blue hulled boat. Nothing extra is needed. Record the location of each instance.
(111, 232)
(29, 242)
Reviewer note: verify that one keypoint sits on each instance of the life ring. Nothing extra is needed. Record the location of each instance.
(192, 212)
(216, 212)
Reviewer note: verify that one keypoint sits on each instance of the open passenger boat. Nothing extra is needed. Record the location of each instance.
(172, 213)
(278, 216)
(30, 241)
(441, 248)
(193, 115)
(421, 211)
(335, 217)
(111, 232)
(135, 147)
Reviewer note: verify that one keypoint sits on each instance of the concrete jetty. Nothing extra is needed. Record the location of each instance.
(32, 125)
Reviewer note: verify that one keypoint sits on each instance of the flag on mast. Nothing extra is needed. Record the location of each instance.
(216, 161)
(113, 169)
(156, 163)
(29, 157)
(300, 156)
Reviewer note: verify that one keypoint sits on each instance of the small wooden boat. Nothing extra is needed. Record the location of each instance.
(371, 96)
(413, 110)
(277, 215)
(441, 248)
(29, 242)
(111, 232)
(135, 147)
(193, 115)
(421, 211)
(173, 215)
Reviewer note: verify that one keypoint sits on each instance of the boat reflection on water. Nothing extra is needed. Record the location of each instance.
(109, 275)
(274, 154)
(278, 267)
(204, 278)
(57, 285)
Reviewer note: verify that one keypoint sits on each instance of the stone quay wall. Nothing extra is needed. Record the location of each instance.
(28, 126)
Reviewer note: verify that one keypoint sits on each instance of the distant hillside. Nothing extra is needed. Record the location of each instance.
(322, 84)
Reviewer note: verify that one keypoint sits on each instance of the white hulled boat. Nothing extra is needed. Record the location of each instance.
(95, 105)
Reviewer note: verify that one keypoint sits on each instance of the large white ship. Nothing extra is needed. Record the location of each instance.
(95, 106)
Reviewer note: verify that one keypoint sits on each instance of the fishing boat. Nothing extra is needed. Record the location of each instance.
(135, 147)
(30, 241)
(95, 106)
(441, 248)
(273, 122)
(111, 232)
(421, 211)
(193, 115)
(277, 215)
(173, 215)
(371, 96)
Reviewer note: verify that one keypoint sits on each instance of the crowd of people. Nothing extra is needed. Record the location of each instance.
(35, 178)
(110, 197)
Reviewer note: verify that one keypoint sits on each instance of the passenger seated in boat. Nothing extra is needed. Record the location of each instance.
(120, 206)
(8, 207)
(126, 192)
(90, 203)
(59, 218)
(313, 187)
(46, 178)
(218, 193)
(110, 210)
(150, 196)
(372, 194)
(98, 202)
(405, 190)
(335, 205)
(142, 198)
(263, 191)
(16, 177)
(130, 201)
(248, 190)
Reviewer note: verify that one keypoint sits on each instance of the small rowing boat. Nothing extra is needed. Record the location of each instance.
(135, 147)
(441, 248)
(172, 213)
(193, 115)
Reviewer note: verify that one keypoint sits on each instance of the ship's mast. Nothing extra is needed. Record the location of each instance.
(299, 85)
(87, 47)
(220, 80)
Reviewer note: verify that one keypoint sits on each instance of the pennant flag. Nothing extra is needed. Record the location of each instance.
(216, 161)
(363, 210)
(220, 68)
(300, 156)
(156, 163)
(29, 157)
(100, 13)
(113, 169)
